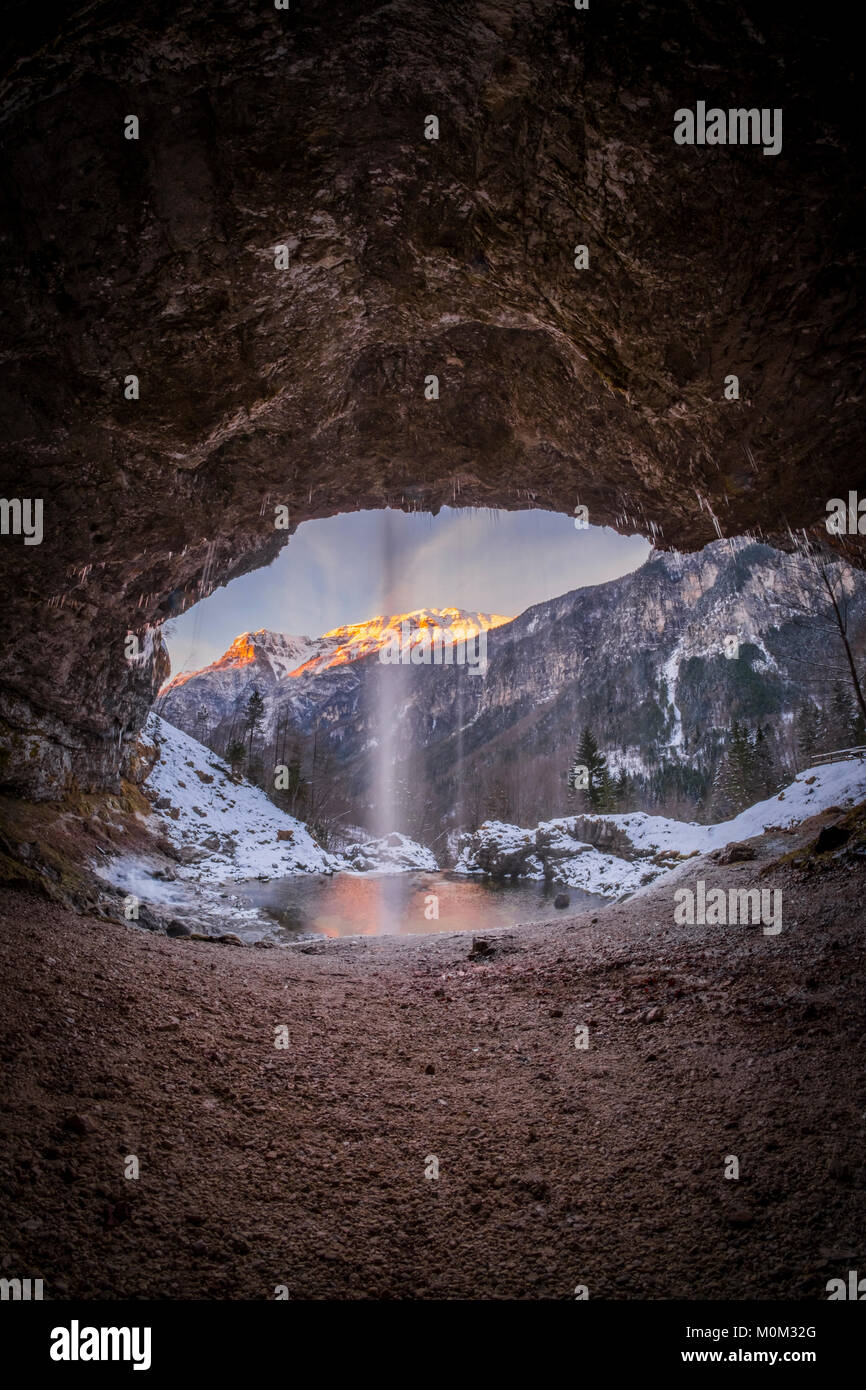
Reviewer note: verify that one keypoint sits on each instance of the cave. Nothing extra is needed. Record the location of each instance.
(268, 265)
(304, 388)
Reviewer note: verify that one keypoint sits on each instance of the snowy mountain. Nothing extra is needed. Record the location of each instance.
(282, 668)
(657, 664)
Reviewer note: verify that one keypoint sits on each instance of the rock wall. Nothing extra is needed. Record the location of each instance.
(304, 387)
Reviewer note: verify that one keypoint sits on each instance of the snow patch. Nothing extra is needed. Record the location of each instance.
(658, 843)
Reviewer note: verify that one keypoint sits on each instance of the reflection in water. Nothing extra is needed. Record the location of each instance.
(372, 905)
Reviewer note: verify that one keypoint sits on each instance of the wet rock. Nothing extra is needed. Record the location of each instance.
(148, 919)
(177, 929)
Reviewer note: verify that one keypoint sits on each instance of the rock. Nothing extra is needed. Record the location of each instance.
(831, 837)
(229, 938)
(211, 842)
(191, 854)
(653, 1015)
(736, 853)
(481, 948)
(430, 1070)
(147, 919)
(739, 1216)
(77, 1123)
(561, 900)
(285, 834)
(177, 929)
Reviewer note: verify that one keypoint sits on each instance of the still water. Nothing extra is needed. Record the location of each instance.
(373, 905)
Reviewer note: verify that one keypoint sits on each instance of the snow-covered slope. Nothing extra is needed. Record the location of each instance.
(656, 843)
(236, 830)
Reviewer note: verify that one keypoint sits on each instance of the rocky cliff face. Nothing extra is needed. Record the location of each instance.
(642, 660)
(295, 378)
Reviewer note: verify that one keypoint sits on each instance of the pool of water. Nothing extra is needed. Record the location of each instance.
(381, 904)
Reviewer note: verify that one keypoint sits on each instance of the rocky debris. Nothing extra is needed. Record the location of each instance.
(653, 1015)
(736, 1066)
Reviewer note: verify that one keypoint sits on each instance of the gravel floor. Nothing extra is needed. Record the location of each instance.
(306, 1167)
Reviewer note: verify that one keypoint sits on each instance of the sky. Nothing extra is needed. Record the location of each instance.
(351, 567)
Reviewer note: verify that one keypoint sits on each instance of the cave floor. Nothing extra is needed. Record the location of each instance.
(306, 1168)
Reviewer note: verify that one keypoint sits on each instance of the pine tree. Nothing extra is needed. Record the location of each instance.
(810, 732)
(589, 757)
(765, 781)
(254, 716)
(840, 717)
(292, 798)
(734, 785)
(496, 806)
(606, 791)
(235, 754)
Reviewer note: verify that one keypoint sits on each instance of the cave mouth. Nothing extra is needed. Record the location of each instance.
(314, 638)
(398, 684)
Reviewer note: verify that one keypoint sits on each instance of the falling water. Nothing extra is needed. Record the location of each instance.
(385, 723)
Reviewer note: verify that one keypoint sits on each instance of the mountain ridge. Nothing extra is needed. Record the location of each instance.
(641, 659)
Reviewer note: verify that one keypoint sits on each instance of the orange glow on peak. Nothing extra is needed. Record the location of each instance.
(357, 640)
